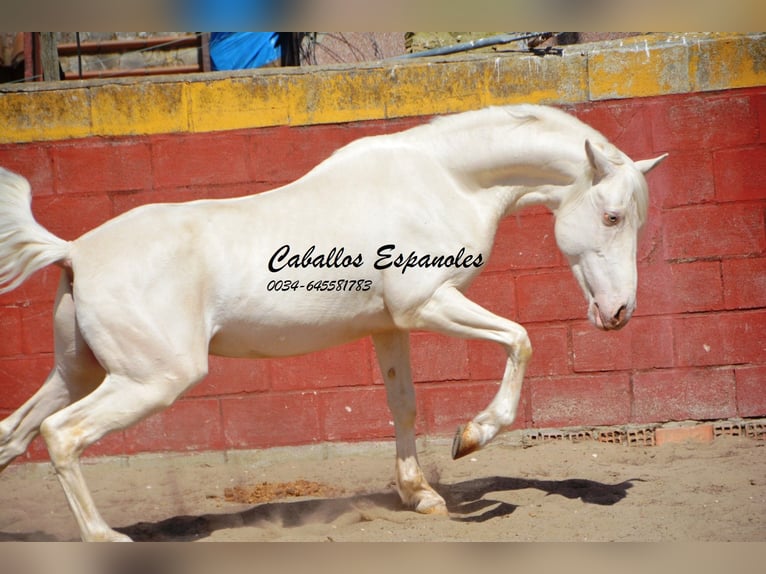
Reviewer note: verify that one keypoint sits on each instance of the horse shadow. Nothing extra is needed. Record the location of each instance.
(467, 501)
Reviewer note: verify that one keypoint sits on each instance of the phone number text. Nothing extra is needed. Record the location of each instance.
(335, 285)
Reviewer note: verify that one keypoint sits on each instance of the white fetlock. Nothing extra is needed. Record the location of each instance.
(431, 503)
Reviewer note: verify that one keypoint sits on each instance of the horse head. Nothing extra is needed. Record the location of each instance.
(597, 230)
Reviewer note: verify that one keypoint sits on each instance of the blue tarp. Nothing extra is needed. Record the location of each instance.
(242, 50)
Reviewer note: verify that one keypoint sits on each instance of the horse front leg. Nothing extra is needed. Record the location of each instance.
(393, 351)
(451, 313)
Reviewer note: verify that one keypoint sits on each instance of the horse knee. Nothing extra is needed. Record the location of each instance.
(63, 444)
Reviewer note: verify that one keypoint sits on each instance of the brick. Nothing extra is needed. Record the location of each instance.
(760, 100)
(738, 176)
(744, 283)
(650, 236)
(665, 288)
(69, 216)
(102, 166)
(33, 162)
(37, 328)
(201, 159)
(693, 122)
(525, 242)
(623, 122)
(696, 433)
(355, 414)
(20, 377)
(267, 420)
(437, 357)
(39, 287)
(347, 365)
(597, 399)
(713, 231)
(549, 296)
(720, 339)
(550, 354)
(685, 178)
(751, 390)
(10, 327)
(233, 376)
(495, 292)
(682, 394)
(646, 342)
(187, 425)
(445, 407)
(287, 153)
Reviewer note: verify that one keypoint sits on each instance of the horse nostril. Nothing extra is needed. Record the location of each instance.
(618, 317)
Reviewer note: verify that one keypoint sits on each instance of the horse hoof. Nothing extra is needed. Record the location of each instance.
(466, 441)
(432, 507)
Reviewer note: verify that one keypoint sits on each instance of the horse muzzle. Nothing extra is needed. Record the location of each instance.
(610, 317)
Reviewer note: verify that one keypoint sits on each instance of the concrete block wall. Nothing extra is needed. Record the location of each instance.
(695, 349)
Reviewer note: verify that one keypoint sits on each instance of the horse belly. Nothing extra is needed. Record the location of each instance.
(257, 341)
(298, 327)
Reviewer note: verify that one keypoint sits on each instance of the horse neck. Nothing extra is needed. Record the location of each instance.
(498, 149)
(528, 163)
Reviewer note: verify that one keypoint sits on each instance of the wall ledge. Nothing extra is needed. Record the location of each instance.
(640, 66)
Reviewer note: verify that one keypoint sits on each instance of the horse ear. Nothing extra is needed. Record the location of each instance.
(647, 165)
(598, 161)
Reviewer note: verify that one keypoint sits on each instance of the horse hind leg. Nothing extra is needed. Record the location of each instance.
(119, 402)
(75, 374)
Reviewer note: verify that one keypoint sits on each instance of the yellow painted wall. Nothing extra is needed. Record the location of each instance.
(634, 67)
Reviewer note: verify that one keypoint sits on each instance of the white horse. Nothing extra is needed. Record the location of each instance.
(380, 239)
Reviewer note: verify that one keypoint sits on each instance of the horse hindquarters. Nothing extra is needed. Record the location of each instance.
(75, 374)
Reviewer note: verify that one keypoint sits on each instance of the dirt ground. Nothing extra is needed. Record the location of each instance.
(554, 491)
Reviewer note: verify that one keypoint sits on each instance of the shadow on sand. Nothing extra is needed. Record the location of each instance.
(467, 501)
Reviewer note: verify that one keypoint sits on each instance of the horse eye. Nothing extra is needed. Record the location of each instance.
(611, 219)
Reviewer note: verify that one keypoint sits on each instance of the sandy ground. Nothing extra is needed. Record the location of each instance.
(555, 491)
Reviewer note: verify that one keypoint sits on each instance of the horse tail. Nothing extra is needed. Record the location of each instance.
(25, 245)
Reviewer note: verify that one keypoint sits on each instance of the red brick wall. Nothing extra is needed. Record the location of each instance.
(696, 348)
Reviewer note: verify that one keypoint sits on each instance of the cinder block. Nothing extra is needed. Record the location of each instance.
(735, 178)
(549, 296)
(710, 122)
(728, 229)
(672, 288)
(96, 166)
(525, 241)
(274, 419)
(646, 342)
(595, 399)
(720, 339)
(355, 414)
(702, 433)
(744, 283)
(33, 162)
(190, 424)
(751, 390)
(680, 394)
(203, 159)
(70, 215)
(438, 357)
(444, 407)
(20, 377)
